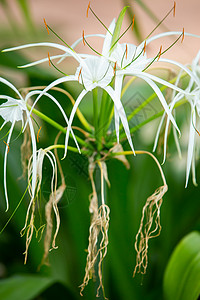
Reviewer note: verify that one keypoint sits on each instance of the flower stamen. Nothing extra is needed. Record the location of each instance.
(160, 52)
(88, 9)
(133, 21)
(7, 146)
(51, 63)
(126, 51)
(174, 8)
(114, 69)
(79, 74)
(145, 45)
(49, 60)
(195, 128)
(38, 134)
(183, 35)
(83, 35)
(46, 25)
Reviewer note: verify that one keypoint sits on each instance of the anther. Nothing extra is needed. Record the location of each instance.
(133, 21)
(174, 9)
(197, 131)
(88, 9)
(183, 35)
(79, 74)
(126, 51)
(49, 60)
(160, 52)
(46, 25)
(38, 134)
(115, 66)
(145, 45)
(7, 146)
(83, 38)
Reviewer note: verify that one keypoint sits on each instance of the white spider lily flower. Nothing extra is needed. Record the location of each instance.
(132, 60)
(192, 95)
(94, 71)
(12, 111)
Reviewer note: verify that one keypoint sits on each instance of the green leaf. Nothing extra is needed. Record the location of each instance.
(24, 5)
(24, 287)
(118, 26)
(182, 275)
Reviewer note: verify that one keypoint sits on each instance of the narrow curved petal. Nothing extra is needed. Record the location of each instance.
(122, 115)
(158, 131)
(163, 82)
(108, 39)
(5, 164)
(169, 33)
(71, 52)
(184, 68)
(118, 89)
(59, 106)
(76, 104)
(54, 83)
(174, 101)
(160, 96)
(191, 143)
(37, 62)
(6, 82)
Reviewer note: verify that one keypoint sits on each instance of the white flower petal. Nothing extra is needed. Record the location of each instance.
(122, 115)
(160, 96)
(5, 164)
(76, 104)
(191, 144)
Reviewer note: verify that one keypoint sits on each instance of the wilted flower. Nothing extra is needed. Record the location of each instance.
(55, 196)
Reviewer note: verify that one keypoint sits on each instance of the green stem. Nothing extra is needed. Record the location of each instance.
(95, 118)
(70, 148)
(103, 119)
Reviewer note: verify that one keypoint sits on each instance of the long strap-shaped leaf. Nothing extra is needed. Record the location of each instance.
(182, 275)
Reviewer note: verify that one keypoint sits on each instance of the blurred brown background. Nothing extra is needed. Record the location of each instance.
(68, 18)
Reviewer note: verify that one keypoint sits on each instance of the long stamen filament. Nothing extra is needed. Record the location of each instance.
(85, 42)
(51, 63)
(49, 28)
(172, 9)
(133, 21)
(161, 53)
(7, 146)
(89, 8)
(131, 24)
(38, 134)
(46, 26)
